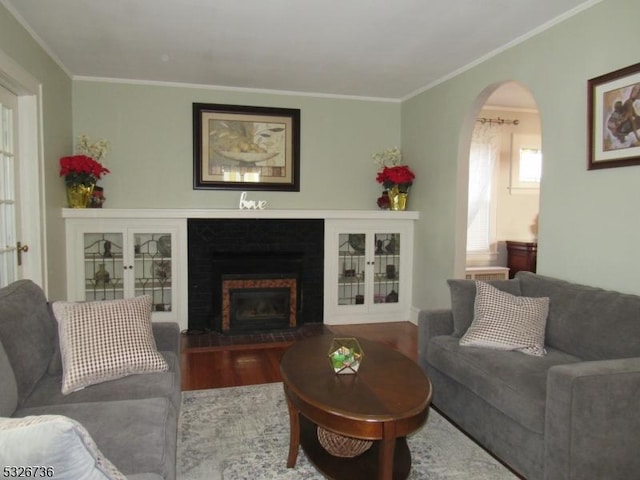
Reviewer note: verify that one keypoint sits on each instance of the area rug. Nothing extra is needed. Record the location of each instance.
(242, 433)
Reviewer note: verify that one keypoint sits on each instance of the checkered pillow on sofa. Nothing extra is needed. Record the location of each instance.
(507, 322)
(106, 340)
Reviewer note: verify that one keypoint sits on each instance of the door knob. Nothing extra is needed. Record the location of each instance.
(21, 249)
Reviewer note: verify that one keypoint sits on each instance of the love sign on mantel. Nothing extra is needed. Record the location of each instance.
(251, 204)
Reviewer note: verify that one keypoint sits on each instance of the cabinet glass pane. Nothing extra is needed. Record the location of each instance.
(103, 269)
(386, 276)
(152, 268)
(351, 268)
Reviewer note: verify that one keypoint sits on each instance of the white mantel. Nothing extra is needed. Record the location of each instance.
(236, 213)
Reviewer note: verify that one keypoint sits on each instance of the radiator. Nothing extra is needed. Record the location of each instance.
(487, 273)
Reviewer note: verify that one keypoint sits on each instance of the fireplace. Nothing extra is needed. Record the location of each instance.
(255, 275)
(256, 303)
(264, 283)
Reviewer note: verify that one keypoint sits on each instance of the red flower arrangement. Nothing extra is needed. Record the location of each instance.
(397, 176)
(81, 170)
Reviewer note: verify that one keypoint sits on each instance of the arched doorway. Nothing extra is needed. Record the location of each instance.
(500, 150)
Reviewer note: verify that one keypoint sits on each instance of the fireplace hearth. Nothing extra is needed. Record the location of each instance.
(257, 275)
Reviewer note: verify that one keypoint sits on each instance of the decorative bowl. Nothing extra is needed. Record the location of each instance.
(357, 242)
(164, 245)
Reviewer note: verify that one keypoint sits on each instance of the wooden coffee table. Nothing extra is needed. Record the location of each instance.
(385, 401)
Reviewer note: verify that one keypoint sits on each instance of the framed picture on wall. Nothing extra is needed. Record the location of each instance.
(613, 104)
(246, 148)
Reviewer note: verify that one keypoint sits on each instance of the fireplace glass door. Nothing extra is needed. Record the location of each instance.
(259, 302)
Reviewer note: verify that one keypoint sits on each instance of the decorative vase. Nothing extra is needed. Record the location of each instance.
(383, 201)
(97, 197)
(397, 199)
(101, 276)
(79, 196)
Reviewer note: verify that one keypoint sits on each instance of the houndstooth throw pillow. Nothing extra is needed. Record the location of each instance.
(106, 340)
(507, 322)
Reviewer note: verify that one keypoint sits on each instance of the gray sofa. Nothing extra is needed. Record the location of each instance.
(570, 415)
(133, 420)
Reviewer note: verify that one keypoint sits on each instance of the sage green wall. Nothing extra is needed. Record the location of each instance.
(589, 227)
(151, 133)
(18, 44)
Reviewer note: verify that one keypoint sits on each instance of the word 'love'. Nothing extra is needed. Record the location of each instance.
(251, 204)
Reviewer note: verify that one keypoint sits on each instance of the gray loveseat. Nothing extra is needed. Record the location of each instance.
(570, 415)
(133, 420)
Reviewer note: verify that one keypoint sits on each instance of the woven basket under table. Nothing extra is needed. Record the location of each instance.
(342, 446)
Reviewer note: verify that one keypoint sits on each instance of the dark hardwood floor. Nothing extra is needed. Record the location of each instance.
(215, 361)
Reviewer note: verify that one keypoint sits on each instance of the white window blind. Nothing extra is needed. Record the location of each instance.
(478, 238)
(483, 155)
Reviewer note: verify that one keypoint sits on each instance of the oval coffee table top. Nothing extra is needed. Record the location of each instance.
(388, 386)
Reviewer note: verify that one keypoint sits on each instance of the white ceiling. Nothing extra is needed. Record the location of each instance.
(369, 48)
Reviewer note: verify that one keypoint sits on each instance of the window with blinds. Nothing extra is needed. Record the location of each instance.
(483, 156)
(478, 232)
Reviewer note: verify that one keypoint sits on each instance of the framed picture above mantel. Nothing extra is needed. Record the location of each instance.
(613, 105)
(246, 148)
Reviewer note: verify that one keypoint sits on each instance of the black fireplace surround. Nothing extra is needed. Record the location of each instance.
(282, 248)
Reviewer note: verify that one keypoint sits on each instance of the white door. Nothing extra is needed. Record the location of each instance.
(10, 264)
(21, 196)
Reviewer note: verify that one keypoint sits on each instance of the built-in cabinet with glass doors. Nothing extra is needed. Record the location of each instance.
(367, 270)
(116, 259)
(113, 254)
